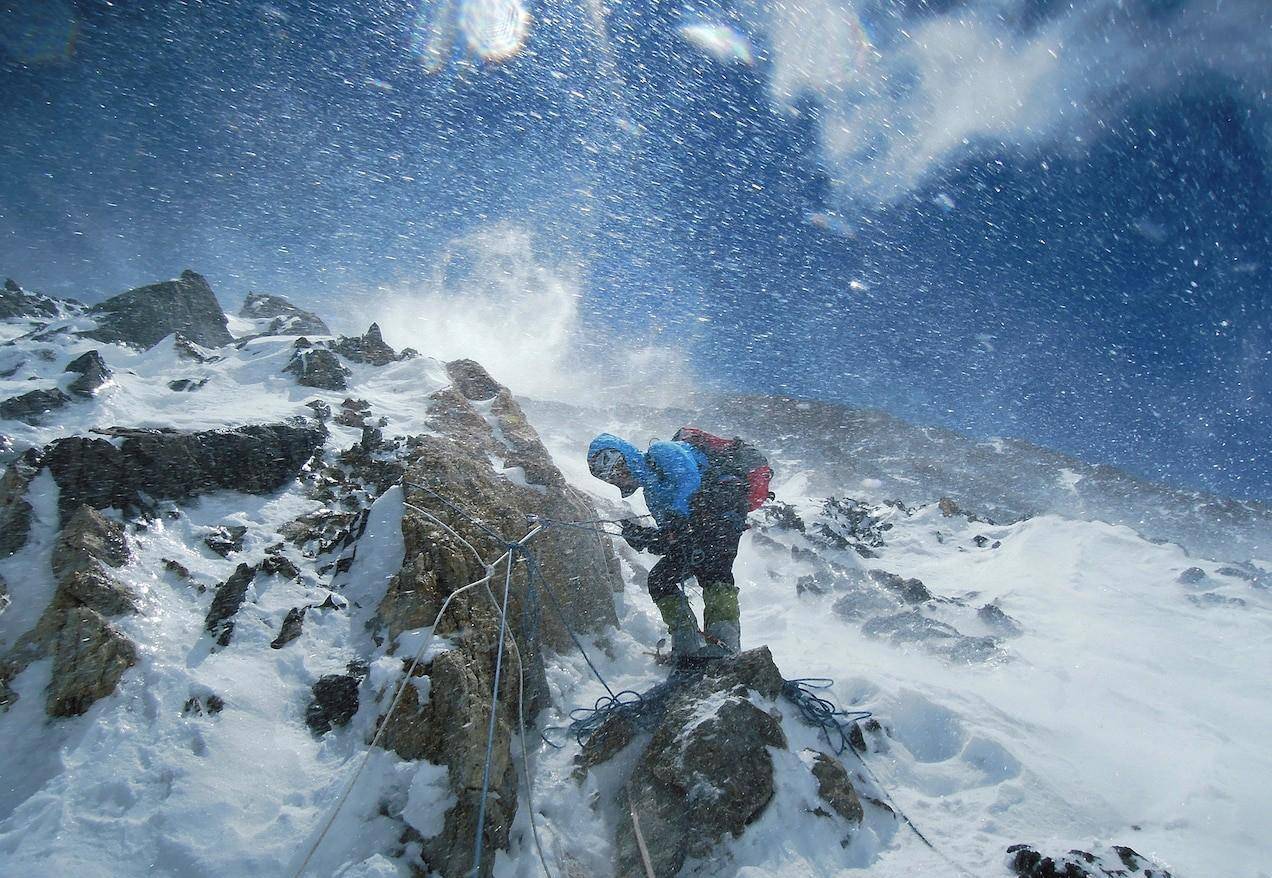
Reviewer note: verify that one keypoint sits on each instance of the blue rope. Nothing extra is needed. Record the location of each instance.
(817, 710)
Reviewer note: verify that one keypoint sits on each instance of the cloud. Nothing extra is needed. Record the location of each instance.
(929, 89)
(494, 298)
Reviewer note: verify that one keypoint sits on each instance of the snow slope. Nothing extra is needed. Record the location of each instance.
(1130, 708)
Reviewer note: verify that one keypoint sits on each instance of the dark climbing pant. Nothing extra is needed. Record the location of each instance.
(713, 568)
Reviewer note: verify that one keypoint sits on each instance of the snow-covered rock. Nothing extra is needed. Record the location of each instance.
(145, 316)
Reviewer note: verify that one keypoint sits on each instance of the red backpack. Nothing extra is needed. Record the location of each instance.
(734, 457)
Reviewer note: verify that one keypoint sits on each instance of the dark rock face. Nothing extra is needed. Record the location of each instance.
(845, 523)
(87, 542)
(835, 787)
(292, 627)
(288, 319)
(254, 459)
(450, 727)
(144, 316)
(33, 405)
(16, 302)
(89, 657)
(226, 602)
(933, 635)
(369, 348)
(186, 385)
(226, 540)
(93, 373)
(912, 591)
(993, 616)
(1025, 862)
(1192, 576)
(318, 367)
(334, 703)
(472, 380)
(707, 771)
(15, 511)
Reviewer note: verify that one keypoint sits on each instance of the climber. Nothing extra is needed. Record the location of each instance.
(700, 512)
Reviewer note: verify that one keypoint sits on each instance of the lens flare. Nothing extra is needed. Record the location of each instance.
(495, 29)
(719, 41)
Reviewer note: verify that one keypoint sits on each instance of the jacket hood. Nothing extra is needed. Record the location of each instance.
(635, 460)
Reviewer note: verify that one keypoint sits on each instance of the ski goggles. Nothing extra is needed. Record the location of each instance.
(605, 463)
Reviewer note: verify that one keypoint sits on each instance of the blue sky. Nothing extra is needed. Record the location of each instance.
(1033, 219)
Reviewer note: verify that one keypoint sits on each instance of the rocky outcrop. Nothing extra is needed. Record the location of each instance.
(15, 511)
(845, 523)
(318, 367)
(287, 318)
(89, 657)
(32, 406)
(144, 316)
(291, 628)
(17, 303)
(472, 381)
(226, 539)
(335, 701)
(449, 726)
(226, 602)
(89, 654)
(92, 371)
(88, 544)
(1025, 862)
(707, 771)
(164, 465)
(369, 348)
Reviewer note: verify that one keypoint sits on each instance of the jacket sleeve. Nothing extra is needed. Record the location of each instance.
(677, 472)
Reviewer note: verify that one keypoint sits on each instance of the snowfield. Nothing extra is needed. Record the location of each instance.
(1119, 694)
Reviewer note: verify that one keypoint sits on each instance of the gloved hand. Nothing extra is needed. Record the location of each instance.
(638, 537)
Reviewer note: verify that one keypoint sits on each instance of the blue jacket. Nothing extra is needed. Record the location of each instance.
(669, 472)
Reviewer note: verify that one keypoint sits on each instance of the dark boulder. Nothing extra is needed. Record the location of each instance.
(287, 318)
(33, 405)
(144, 316)
(254, 459)
(17, 303)
(912, 591)
(226, 540)
(472, 380)
(318, 367)
(89, 658)
(834, 786)
(92, 371)
(15, 511)
(335, 701)
(369, 348)
(1025, 862)
(707, 772)
(186, 385)
(292, 627)
(226, 602)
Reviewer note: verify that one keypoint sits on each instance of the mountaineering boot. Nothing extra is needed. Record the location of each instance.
(721, 620)
(725, 634)
(682, 625)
